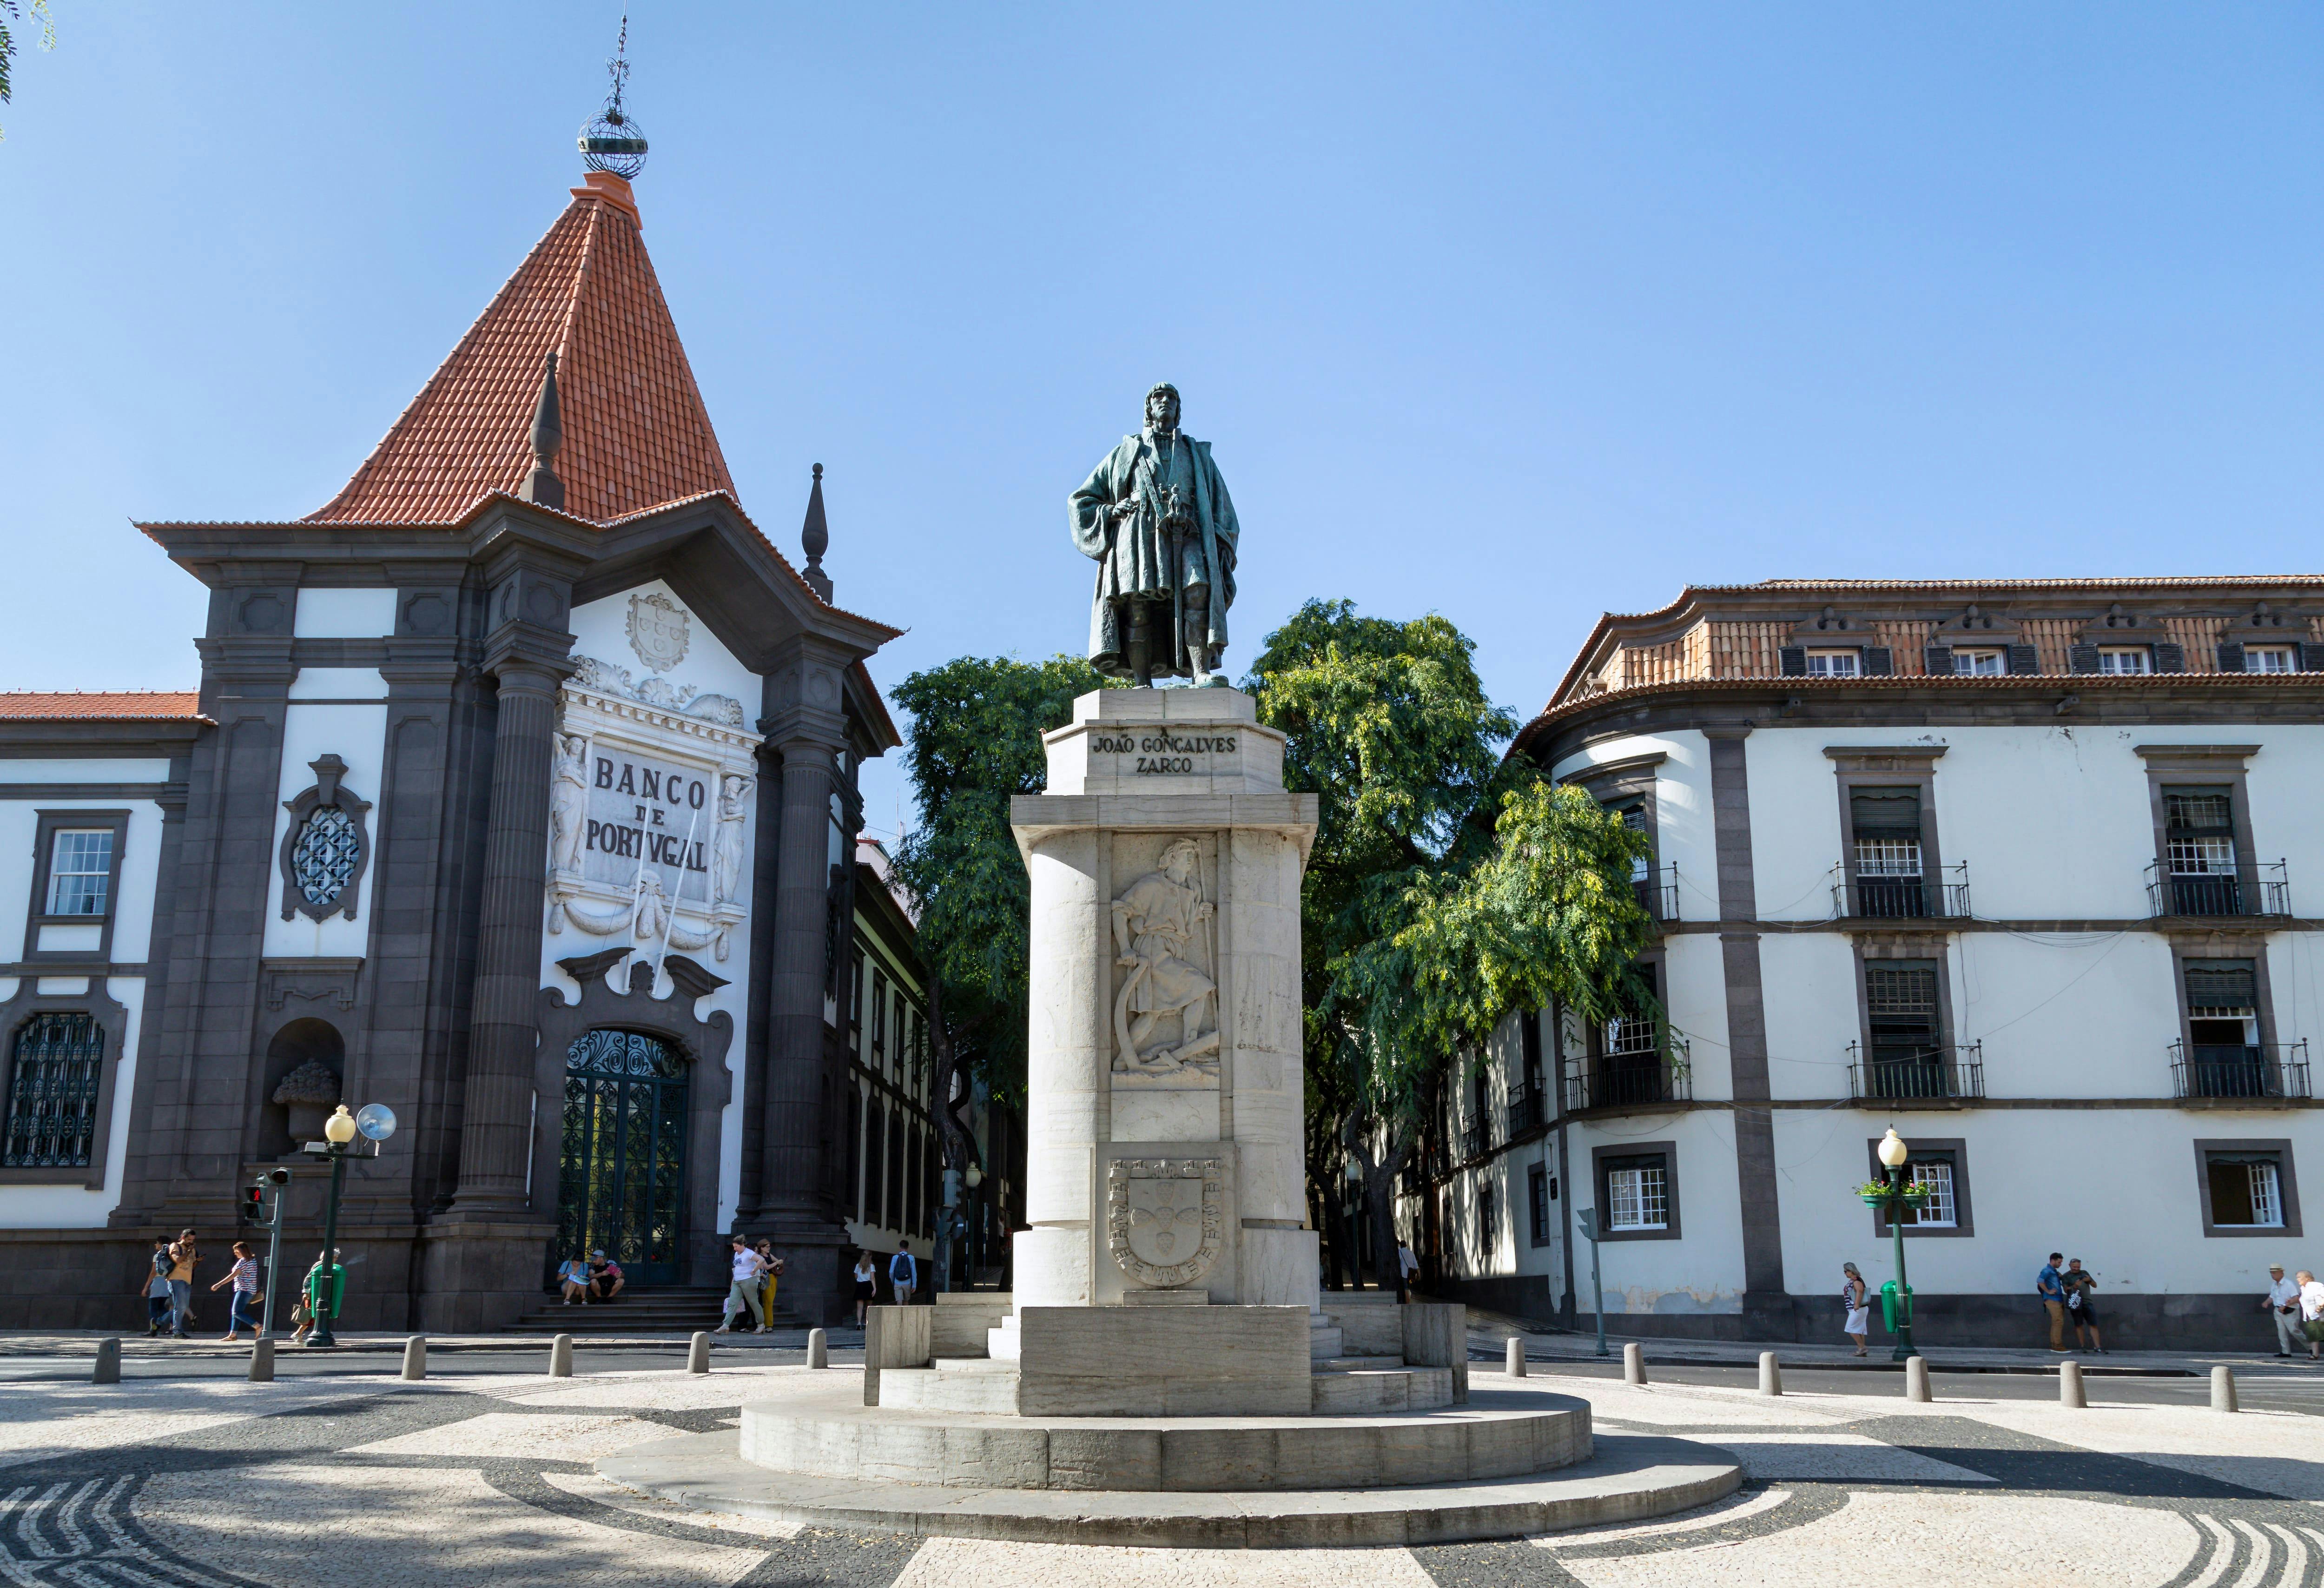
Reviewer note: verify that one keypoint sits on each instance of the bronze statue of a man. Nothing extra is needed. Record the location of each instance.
(1157, 517)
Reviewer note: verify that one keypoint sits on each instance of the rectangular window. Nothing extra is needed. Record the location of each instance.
(2247, 1190)
(879, 1016)
(1487, 1230)
(1941, 1211)
(1906, 1057)
(1834, 664)
(1637, 1195)
(80, 866)
(1633, 817)
(56, 1071)
(1980, 664)
(2269, 658)
(1537, 1204)
(1885, 825)
(2126, 659)
(2198, 839)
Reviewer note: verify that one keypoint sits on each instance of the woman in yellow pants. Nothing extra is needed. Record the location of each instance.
(774, 1272)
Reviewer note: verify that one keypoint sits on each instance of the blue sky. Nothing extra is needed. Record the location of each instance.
(1515, 313)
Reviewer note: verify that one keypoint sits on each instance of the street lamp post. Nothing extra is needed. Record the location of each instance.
(375, 1124)
(1892, 1155)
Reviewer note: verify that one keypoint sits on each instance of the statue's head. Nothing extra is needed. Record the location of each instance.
(1162, 408)
(1179, 860)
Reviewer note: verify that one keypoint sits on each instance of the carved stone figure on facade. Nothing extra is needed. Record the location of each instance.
(1161, 932)
(569, 802)
(1156, 516)
(727, 847)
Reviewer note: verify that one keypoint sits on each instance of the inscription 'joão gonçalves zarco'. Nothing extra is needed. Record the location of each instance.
(1163, 752)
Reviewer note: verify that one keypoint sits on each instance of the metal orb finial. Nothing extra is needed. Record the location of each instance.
(613, 142)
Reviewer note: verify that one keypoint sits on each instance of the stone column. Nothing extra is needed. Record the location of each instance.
(502, 1034)
(791, 1189)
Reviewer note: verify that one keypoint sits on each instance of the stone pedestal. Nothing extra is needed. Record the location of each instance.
(1165, 1113)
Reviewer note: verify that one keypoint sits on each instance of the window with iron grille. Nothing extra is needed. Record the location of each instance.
(56, 1069)
(80, 869)
(1885, 830)
(1900, 997)
(1637, 1194)
(2199, 831)
(324, 858)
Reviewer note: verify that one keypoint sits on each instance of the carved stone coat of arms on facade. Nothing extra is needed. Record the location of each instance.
(658, 630)
(1165, 1217)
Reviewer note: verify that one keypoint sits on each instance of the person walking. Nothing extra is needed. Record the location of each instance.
(156, 1290)
(742, 1293)
(183, 1256)
(867, 1284)
(2282, 1302)
(2082, 1287)
(2312, 1314)
(242, 1306)
(772, 1267)
(1853, 1297)
(325, 1287)
(2052, 1289)
(1407, 1269)
(904, 1273)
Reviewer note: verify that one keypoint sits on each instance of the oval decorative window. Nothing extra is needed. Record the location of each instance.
(323, 861)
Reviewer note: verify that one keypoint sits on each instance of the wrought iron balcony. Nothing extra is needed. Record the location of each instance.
(2259, 889)
(1896, 1075)
(1528, 1108)
(1642, 1063)
(1657, 893)
(1900, 897)
(2255, 1070)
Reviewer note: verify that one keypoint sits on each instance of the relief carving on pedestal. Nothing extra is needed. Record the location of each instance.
(1165, 1217)
(1165, 1003)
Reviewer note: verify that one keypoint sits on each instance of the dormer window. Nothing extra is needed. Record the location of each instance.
(1979, 663)
(2269, 658)
(2124, 660)
(1835, 664)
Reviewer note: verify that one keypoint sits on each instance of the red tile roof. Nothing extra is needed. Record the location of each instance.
(636, 433)
(98, 705)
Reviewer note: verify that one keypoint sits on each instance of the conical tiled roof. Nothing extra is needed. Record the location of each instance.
(636, 434)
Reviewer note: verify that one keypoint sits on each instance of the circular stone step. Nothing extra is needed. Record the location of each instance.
(820, 1428)
(1628, 1479)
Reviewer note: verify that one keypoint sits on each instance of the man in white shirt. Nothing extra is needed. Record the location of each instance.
(1407, 1265)
(2283, 1303)
(744, 1292)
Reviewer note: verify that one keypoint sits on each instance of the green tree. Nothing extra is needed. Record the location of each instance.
(11, 17)
(1447, 886)
(975, 741)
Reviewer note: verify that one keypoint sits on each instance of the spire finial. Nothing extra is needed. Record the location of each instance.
(542, 487)
(815, 535)
(613, 142)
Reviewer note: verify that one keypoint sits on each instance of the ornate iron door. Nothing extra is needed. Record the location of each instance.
(622, 1182)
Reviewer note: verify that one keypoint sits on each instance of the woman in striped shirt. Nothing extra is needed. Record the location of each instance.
(244, 1278)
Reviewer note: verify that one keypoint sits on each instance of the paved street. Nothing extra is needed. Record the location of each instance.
(340, 1474)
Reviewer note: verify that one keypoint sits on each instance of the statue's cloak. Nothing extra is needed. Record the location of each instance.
(1133, 554)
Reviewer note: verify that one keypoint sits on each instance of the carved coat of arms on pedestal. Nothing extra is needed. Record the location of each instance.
(1164, 1217)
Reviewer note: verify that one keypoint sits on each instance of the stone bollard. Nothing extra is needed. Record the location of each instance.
(1516, 1362)
(262, 1361)
(1771, 1376)
(818, 1350)
(2223, 1389)
(698, 1353)
(108, 1363)
(2069, 1386)
(1916, 1379)
(1634, 1364)
(415, 1357)
(560, 1357)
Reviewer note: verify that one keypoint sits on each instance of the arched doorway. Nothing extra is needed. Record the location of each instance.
(622, 1175)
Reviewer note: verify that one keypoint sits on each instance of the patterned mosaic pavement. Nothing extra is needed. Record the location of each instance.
(360, 1481)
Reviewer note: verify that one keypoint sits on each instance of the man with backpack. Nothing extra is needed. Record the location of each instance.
(904, 1273)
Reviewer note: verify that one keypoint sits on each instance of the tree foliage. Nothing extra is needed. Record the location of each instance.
(1447, 886)
(975, 741)
(11, 18)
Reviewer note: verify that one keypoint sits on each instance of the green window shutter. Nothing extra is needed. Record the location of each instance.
(1938, 660)
(1879, 662)
(2311, 658)
(1795, 661)
(2025, 660)
(2082, 659)
(2169, 659)
(2231, 656)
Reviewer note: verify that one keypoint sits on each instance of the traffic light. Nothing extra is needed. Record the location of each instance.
(261, 1196)
(254, 1204)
